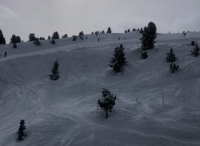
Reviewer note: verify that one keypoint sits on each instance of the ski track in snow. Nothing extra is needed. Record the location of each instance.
(65, 113)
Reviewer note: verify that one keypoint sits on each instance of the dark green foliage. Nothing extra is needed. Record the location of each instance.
(37, 42)
(81, 35)
(55, 35)
(109, 30)
(52, 41)
(119, 59)
(32, 37)
(148, 36)
(107, 101)
(195, 50)
(65, 36)
(74, 38)
(125, 31)
(42, 38)
(134, 29)
(141, 30)
(171, 56)
(103, 31)
(92, 33)
(2, 39)
(96, 33)
(55, 73)
(128, 30)
(21, 129)
(192, 43)
(49, 37)
(173, 67)
(15, 39)
(14, 45)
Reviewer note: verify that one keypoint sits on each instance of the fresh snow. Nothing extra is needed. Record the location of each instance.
(65, 113)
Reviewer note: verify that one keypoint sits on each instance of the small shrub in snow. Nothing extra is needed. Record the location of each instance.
(55, 73)
(119, 59)
(196, 50)
(107, 101)
(171, 56)
(20, 132)
(173, 67)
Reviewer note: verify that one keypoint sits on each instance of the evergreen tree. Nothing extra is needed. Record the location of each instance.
(81, 35)
(2, 39)
(21, 133)
(55, 35)
(148, 36)
(103, 31)
(171, 56)
(119, 59)
(49, 37)
(32, 37)
(55, 73)
(13, 39)
(18, 39)
(107, 101)
(125, 31)
(128, 30)
(109, 30)
(65, 36)
(195, 50)
(134, 29)
(37, 42)
(74, 38)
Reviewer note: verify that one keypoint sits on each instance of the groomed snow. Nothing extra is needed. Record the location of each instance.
(65, 112)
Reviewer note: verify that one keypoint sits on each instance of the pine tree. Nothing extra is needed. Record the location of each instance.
(2, 39)
(21, 133)
(109, 30)
(55, 35)
(119, 59)
(128, 30)
(55, 73)
(65, 36)
(18, 39)
(173, 67)
(81, 35)
(171, 56)
(195, 50)
(32, 37)
(13, 39)
(148, 36)
(49, 37)
(107, 101)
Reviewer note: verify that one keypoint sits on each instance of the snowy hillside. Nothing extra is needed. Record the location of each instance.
(65, 113)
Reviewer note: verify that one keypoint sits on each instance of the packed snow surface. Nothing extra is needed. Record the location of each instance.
(65, 113)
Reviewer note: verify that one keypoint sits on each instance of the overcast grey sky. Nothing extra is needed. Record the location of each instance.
(43, 17)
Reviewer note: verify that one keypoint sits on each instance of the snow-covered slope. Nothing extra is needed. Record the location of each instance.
(65, 112)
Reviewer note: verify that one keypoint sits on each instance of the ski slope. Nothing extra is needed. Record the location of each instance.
(65, 112)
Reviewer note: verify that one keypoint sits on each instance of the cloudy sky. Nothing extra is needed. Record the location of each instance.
(43, 17)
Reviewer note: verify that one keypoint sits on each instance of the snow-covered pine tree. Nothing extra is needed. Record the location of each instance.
(148, 36)
(20, 132)
(171, 56)
(55, 73)
(107, 101)
(195, 50)
(119, 59)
